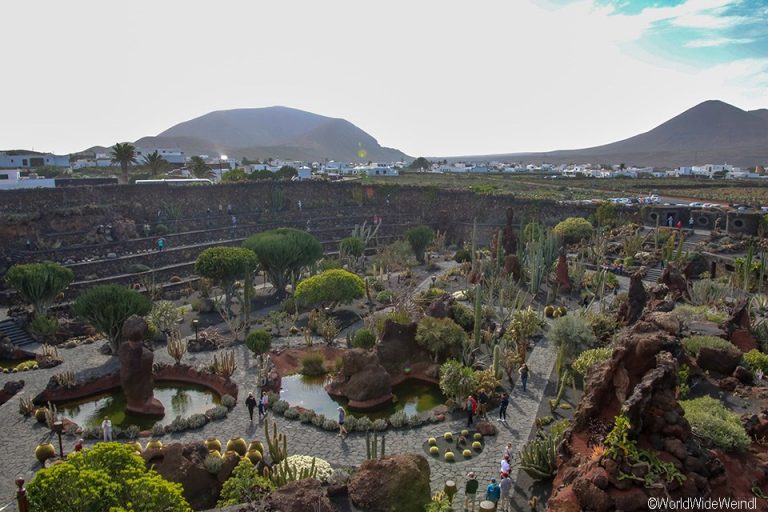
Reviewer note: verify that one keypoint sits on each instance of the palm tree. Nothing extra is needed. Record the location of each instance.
(198, 167)
(125, 155)
(154, 162)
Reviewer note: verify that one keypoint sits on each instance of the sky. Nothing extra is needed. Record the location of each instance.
(429, 77)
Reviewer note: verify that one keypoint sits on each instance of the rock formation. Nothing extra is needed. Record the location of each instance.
(637, 297)
(362, 380)
(561, 273)
(675, 281)
(398, 482)
(136, 376)
(300, 496)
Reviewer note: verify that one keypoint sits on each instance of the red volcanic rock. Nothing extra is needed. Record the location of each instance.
(397, 482)
(564, 501)
(301, 496)
(136, 376)
(722, 361)
(362, 379)
(743, 340)
(561, 274)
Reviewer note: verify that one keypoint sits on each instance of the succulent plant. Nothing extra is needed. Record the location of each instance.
(155, 444)
(434, 450)
(44, 452)
(432, 441)
(256, 445)
(477, 436)
(215, 453)
(136, 446)
(255, 456)
(467, 454)
(448, 436)
(238, 445)
(449, 457)
(465, 433)
(477, 445)
(549, 311)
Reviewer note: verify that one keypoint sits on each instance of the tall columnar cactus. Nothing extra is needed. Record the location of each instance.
(499, 250)
(284, 472)
(538, 458)
(372, 445)
(478, 314)
(497, 361)
(277, 443)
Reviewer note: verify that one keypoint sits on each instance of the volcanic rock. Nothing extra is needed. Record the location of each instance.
(398, 482)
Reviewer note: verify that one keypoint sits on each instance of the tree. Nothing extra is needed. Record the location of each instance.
(224, 266)
(420, 163)
(125, 155)
(39, 283)
(259, 341)
(572, 335)
(198, 167)
(419, 237)
(105, 478)
(605, 215)
(573, 229)
(439, 335)
(286, 172)
(154, 162)
(106, 307)
(456, 380)
(235, 175)
(283, 253)
(332, 286)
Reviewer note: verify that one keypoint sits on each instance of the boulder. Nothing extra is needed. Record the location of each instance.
(591, 497)
(486, 428)
(743, 340)
(675, 281)
(743, 375)
(719, 360)
(632, 309)
(361, 379)
(398, 482)
(300, 496)
(561, 273)
(398, 349)
(184, 463)
(564, 501)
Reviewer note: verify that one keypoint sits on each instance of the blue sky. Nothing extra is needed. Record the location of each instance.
(430, 77)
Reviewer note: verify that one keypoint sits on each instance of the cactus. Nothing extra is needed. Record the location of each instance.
(549, 311)
(538, 458)
(372, 445)
(50, 415)
(26, 407)
(477, 445)
(176, 346)
(497, 362)
(467, 454)
(432, 441)
(255, 456)
(225, 366)
(477, 436)
(237, 445)
(284, 472)
(213, 444)
(478, 315)
(278, 199)
(44, 452)
(277, 443)
(434, 450)
(449, 457)
(256, 445)
(448, 436)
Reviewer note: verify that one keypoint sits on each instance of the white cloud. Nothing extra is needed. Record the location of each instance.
(429, 77)
(718, 41)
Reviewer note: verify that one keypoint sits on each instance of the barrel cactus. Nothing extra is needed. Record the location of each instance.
(465, 433)
(449, 457)
(477, 445)
(254, 456)
(237, 444)
(256, 445)
(549, 311)
(448, 436)
(136, 446)
(478, 436)
(213, 444)
(40, 414)
(44, 451)
(434, 450)
(155, 444)
(467, 454)
(215, 453)
(563, 311)
(432, 441)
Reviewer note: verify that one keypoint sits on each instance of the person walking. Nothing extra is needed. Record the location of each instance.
(508, 451)
(250, 402)
(470, 492)
(503, 407)
(160, 244)
(505, 465)
(493, 492)
(263, 404)
(670, 221)
(482, 399)
(342, 416)
(523, 371)
(471, 408)
(505, 486)
(106, 428)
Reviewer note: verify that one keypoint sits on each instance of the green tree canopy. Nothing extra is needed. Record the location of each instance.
(420, 163)
(234, 176)
(419, 237)
(283, 253)
(106, 478)
(606, 215)
(573, 229)
(224, 266)
(124, 155)
(332, 286)
(154, 162)
(106, 307)
(352, 246)
(457, 380)
(259, 341)
(440, 335)
(286, 172)
(198, 167)
(39, 283)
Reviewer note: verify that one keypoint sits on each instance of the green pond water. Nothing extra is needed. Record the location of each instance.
(178, 400)
(412, 396)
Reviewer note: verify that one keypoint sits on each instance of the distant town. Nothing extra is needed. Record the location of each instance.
(29, 169)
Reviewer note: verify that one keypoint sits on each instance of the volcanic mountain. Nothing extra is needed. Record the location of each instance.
(276, 132)
(711, 132)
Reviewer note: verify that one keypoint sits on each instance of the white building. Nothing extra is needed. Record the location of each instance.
(31, 160)
(11, 179)
(172, 156)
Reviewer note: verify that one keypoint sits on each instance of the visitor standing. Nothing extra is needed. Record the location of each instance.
(342, 416)
(508, 451)
(160, 244)
(523, 371)
(471, 408)
(250, 402)
(79, 445)
(505, 486)
(470, 491)
(29, 244)
(482, 398)
(670, 220)
(690, 223)
(493, 492)
(106, 428)
(264, 403)
(505, 465)
(229, 209)
(299, 204)
(503, 407)
(679, 225)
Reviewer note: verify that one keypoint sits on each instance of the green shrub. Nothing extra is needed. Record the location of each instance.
(603, 325)
(756, 360)
(312, 364)
(693, 344)
(385, 297)
(352, 246)
(712, 422)
(259, 341)
(330, 286)
(419, 238)
(375, 284)
(280, 406)
(573, 229)
(590, 358)
(292, 413)
(136, 268)
(44, 325)
(462, 255)
(245, 485)
(687, 313)
(160, 229)
(107, 476)
(463, 316)
(439, 335)
(39, 283)
(363, 338)
(398, 316)
(218, 412)
(228, 401)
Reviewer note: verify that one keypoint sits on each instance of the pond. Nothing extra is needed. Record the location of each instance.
(178, 399)
(411, 396)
